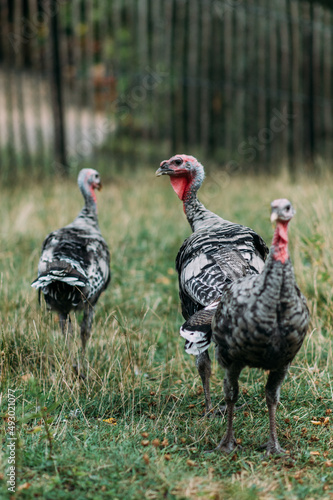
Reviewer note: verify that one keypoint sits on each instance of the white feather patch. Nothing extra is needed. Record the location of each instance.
(195, 267)
(196, 341)
(47, 280)
(195, 349)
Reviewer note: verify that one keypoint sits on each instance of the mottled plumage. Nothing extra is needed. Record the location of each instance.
(74, 267)
(215, 254)
(261, 322)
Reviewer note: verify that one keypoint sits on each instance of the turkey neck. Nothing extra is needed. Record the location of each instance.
(89, 210)
(196, 213)
(278, 269)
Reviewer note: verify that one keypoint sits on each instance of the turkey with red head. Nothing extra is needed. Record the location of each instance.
(261, 322)
(216, 253)
(74, 267)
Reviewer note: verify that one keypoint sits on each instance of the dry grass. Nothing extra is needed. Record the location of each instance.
(138, 372)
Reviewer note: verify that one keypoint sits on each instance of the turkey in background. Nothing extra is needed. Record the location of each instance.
(74, 267)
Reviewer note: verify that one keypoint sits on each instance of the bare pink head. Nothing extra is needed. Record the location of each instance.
(89, 180)
(185, 172)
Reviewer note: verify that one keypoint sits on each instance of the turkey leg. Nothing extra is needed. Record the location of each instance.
(203, 364)
(272, 389)
(230, 384)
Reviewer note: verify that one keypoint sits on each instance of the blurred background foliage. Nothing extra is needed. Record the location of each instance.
(246, 85)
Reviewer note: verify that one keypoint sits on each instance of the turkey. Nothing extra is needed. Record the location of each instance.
(261, 322)
(74, 267)
(216, 253)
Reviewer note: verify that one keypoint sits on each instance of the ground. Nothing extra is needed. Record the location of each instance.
(134, 428)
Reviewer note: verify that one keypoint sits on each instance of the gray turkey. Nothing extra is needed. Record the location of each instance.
(74, 267)
(216, 253)
(261, 322)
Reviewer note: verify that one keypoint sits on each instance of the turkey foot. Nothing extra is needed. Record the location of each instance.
(272, 448)
(80, 375)
(226, 446)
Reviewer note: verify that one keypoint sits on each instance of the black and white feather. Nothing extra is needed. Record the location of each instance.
(74, 267)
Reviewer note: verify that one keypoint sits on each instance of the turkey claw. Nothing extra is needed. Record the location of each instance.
(226, 447)
(76, 371)
(273, 449)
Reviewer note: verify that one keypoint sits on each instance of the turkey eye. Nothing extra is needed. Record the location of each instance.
(288, 208)
(178, 162)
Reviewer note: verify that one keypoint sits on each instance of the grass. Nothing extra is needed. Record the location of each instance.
(139, 376)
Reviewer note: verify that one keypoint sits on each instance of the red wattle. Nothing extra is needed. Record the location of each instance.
(280, 242)
(93, 194)
(180, 185)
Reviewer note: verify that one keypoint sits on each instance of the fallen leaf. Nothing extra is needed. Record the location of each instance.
(23, 486)
(167, 456)
(163, 279)
(315, 422)
(190, 463)
(329, 463)
(144, 434)
(146, 458)
(155, 442)
(35, 429)
(191, 406)
(314, 438)
(315, 453)
(165, 442)
(111, 421)
(145, 442)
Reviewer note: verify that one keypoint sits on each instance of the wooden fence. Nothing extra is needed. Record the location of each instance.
(237, 82)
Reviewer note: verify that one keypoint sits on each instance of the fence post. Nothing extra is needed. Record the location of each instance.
(56, 94)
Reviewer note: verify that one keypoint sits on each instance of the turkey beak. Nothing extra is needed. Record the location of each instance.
(274, 216)
(99, 186)
(164, 169)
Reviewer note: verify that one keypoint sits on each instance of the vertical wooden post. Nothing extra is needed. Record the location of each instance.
(56, 93)
(290, 145)
(311, 88)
